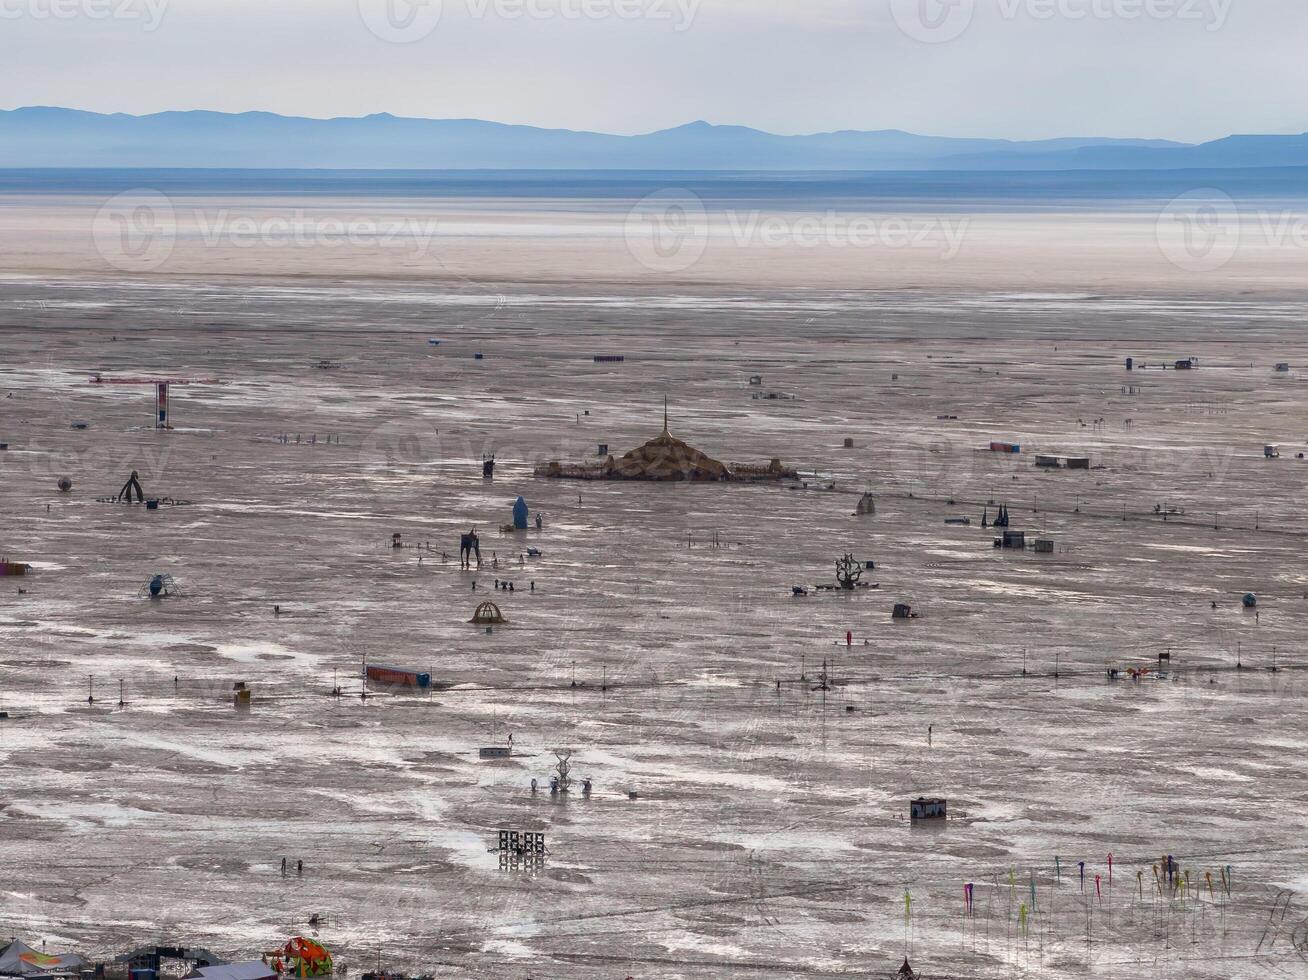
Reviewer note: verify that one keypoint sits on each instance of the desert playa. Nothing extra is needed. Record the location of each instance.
(751, 750)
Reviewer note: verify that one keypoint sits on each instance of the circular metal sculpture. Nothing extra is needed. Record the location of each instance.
(64, 484)
(160, 586)
(488, 614)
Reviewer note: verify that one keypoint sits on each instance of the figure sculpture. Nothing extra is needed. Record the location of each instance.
(469, 545)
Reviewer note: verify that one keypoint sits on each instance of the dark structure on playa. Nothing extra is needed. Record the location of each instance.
(667, 458)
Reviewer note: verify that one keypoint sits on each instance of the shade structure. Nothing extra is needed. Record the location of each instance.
(20, 960)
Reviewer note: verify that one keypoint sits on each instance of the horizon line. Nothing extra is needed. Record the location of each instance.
(384, 114)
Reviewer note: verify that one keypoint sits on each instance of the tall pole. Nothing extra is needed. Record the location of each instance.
(161, 405)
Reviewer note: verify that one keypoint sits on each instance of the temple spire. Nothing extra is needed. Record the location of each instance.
(665, 416)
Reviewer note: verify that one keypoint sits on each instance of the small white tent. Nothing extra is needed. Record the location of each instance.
(250, 970)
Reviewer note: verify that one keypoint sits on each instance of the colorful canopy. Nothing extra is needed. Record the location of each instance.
(20, 960)
(305, 958)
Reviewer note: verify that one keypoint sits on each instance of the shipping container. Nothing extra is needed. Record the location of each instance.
(398, 676)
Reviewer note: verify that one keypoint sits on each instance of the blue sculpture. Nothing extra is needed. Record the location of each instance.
(520, 514)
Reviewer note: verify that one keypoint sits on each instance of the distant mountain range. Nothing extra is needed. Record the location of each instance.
(39, 137)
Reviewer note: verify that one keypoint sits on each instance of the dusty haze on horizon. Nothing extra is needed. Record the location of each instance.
(495, 245)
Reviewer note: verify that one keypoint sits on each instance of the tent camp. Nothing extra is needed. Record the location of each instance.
(20, 960)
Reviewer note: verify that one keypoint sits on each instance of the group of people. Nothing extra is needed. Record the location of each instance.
(504, 585)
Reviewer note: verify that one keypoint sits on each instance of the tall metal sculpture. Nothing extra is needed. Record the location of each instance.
(469, 544)
(133, 484)
(563, 781)
(848, 572)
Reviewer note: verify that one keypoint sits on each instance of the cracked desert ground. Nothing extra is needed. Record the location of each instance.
(768, 837)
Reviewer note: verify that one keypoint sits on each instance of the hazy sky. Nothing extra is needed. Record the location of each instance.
(1182, 69)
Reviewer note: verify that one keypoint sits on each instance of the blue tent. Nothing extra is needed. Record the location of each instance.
(520, 514)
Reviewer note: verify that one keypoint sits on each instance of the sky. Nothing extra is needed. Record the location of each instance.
(1023, 69)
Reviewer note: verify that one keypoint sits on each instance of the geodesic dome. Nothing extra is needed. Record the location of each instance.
(488, 614)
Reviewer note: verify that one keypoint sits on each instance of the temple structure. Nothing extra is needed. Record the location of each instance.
(667, 458)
